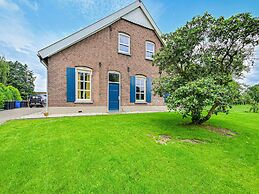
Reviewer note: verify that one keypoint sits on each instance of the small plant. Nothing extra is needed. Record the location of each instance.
(255, 107)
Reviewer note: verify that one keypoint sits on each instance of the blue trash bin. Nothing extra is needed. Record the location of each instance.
(17, 104)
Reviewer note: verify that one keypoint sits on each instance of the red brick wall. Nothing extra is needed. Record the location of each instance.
(102, 47)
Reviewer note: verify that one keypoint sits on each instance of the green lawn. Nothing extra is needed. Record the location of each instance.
(117, 154)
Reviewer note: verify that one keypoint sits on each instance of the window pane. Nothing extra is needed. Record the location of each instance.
(137, 82)
(149, 55)
(137, 89)
(114, 77)
(81, 85)
(124, 49)
(150, 46)
(87, 95)
(87, 77)
(137, 96)
(80, 94)
(124, 39)
(87, 85)
(142, 96)
(80, 76)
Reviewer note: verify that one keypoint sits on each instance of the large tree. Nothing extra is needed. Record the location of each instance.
(21, 78)
(201, 60)
(4, 70)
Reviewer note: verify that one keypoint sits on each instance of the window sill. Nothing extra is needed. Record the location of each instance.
(83, 102)
(149, 59)
(122, 53)
(141, 102)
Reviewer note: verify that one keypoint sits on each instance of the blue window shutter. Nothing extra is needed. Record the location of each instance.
(132, 89)
(149, 89)
(71, 85)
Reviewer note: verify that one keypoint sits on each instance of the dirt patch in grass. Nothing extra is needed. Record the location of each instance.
(192, 141)
(161, 139)
(222, 131)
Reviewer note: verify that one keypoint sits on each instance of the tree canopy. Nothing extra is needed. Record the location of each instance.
(201, 61)
(21, 78)
(4, 70)
(253, 92)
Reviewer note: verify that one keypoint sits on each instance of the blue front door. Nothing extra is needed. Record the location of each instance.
(114, 93)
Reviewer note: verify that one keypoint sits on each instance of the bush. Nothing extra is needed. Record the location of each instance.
(8, 93)
(255, 107)
(15, 93)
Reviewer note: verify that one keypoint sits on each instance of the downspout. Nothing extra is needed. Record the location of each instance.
(45, 63)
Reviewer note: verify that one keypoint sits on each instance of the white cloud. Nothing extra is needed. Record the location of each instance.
(14, 33)
(40, 82)
(252, 77)
(19, 43)
(9, 5)
(31, 4)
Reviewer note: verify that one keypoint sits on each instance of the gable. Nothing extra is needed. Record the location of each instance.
(135, 13)
(137, 16)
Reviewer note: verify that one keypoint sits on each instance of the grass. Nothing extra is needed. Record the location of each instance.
(115, 154)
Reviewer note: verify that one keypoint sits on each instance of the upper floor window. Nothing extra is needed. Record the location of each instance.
(150, 50)
(124, 44)
(83, 84)
(140, 88)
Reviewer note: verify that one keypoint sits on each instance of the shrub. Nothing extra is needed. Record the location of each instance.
(8, 93)
(15, 93)
(255, 107)
(1, 100)
(2, 95)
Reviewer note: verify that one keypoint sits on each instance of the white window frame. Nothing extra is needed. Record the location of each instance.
(120, 43)
(145, 89)
(150, 51)
(83, 70)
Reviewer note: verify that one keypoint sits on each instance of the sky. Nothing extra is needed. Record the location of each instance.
(26, 26)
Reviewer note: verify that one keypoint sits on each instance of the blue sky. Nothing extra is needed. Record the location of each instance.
(28, 25)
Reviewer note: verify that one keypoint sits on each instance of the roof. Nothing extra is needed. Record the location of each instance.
(135, 13)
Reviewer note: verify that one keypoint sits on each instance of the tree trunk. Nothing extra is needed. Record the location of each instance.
(207, 117)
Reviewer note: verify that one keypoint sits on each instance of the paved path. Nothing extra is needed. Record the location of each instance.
(37, 113)
(18, 113)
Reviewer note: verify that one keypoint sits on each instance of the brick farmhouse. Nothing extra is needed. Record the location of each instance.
(106, 66)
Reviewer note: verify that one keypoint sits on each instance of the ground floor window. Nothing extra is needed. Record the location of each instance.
(140, 89)
(83, 82)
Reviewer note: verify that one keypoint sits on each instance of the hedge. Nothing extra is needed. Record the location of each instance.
(8, 93)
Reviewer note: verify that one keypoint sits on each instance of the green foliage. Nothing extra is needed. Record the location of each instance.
(253, 92)
(21, 78)
(15, 93)
(4, 70)
(200, 61)
(8, 93)
(255, 107)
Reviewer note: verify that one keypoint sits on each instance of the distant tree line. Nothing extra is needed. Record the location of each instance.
(17, 75)
(250, 95)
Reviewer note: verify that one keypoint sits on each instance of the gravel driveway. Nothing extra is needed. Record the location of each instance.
(7, 115)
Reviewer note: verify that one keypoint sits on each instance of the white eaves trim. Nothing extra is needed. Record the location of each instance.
(98, 26)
